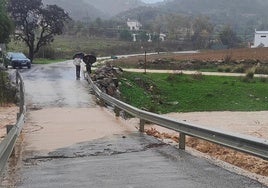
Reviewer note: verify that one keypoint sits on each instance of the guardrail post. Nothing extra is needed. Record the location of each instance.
(18, 116)
(182, 141)
(21, 98)
(101, 102)
(8, 128)
(116, 111)
(142, 123)
(17, 77)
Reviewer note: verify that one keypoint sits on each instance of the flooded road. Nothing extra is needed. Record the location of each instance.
(62, 110)
(69, 141)
(55, 86)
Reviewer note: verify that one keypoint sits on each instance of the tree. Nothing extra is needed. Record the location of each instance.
(175, 26)
(142, 36)
(5, 23)
(35, 24)
(202, 29)
(125, 35)
(228, 37)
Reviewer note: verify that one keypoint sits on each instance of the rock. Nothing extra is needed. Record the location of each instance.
(106, 78)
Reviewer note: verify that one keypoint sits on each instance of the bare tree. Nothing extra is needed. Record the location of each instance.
(229, 37)
(202, 29)
(36, 25)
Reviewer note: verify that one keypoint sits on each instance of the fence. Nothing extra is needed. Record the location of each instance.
(8, 143)
(248, 144)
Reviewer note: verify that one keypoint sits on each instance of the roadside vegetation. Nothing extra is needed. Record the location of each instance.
(164, 93)
(7, 91)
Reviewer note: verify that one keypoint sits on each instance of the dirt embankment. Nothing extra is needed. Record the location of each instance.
(8, 116)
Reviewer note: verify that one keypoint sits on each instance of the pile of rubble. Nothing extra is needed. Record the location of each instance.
(106, 78)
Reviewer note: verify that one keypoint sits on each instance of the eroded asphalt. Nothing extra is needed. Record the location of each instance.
(126, 159)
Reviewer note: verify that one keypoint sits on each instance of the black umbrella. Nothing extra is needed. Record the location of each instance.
(79, 55)
(89, 59)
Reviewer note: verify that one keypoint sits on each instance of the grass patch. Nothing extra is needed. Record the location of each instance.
(163, 93)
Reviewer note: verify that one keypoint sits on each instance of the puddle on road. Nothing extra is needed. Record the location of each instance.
(53, 128)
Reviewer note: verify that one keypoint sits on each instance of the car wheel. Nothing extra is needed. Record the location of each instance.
(13, 65)
(29, 66)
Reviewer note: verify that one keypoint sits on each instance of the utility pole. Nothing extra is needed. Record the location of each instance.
(145, 62)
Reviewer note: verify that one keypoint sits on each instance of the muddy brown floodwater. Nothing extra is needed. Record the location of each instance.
(53, 128)
(248, 123)
(7, 117)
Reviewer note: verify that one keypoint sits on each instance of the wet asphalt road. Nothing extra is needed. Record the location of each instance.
(126, 161)
(55, 86)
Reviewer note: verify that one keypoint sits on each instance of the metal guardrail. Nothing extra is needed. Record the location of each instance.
(8, 143)
(248, 144)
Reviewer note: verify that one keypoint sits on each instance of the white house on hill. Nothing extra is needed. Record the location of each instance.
(134, 25)
(260, 39)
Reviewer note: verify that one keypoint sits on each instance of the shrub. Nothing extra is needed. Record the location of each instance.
(227, 69)
(7, 92)
(261, 70)
(228, 58)
(239, 69)
(220, 69)
(246, 79)
(250, 74)
(174, 76)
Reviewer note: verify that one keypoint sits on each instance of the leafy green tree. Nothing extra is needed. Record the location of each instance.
(5, 23)
(228, 37)
(35, 24)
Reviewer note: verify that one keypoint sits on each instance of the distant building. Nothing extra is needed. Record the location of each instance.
(162, 36)
(133, 25)
(260, 39)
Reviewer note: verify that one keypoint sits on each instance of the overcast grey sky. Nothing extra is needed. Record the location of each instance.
(152, 1)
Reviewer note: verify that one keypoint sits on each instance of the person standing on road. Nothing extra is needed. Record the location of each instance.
(77, 60)
(89, 60)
